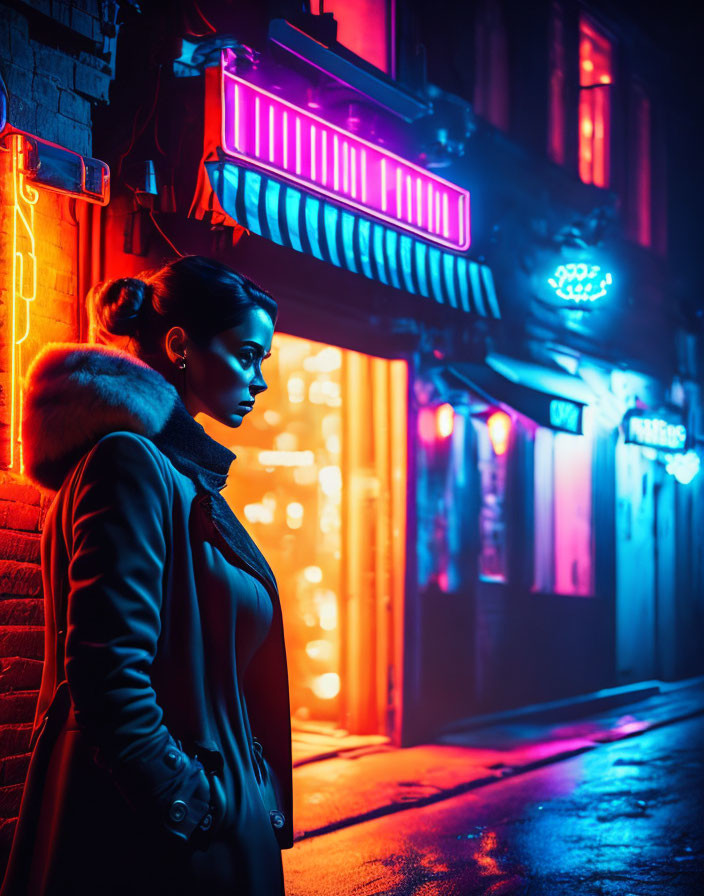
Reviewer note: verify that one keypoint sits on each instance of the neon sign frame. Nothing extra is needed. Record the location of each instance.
(271, 134)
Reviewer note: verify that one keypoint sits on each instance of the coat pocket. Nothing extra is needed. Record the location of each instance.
(269, 786)
(213, 763)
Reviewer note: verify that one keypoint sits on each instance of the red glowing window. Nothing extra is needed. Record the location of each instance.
(493, 453)
(556, 94)
(595, 79)
(641, 224)
(365, 27)
(563, 533)
(491, 72)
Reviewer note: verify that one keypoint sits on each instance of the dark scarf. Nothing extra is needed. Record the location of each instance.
(195, 454)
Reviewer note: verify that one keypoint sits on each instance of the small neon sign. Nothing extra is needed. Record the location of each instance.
(684, 467)
(566, 415)
(580, 282)
(654, 432)
(293, 143)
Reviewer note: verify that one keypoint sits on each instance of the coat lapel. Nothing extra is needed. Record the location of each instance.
(237, 539)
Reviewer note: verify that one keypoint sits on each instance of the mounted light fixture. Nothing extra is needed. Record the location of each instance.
(56, 168)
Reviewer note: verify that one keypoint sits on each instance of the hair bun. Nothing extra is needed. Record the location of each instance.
(119, 304)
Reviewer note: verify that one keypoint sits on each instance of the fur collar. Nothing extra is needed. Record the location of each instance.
(76, 393)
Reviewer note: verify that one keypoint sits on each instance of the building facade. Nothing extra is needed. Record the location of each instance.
(474, 470)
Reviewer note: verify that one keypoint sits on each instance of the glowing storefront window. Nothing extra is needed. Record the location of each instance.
(441, 490)
(492, 463)
(319, 482)
(595, 79)
(563, 539)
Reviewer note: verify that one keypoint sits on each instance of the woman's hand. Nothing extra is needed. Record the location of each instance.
(213, 820)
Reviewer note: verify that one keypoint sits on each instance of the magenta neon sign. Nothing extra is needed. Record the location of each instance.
(291, 142)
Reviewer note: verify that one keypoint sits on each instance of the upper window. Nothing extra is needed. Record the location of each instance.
(595, 79)
(641, 225)
(366, 28)
(491, 81)
(556, 110)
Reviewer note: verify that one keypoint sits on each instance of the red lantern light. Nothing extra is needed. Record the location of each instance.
(426, 425)
(499, 426)
(444, 420)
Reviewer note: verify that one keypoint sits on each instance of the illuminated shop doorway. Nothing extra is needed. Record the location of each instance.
(320, 484)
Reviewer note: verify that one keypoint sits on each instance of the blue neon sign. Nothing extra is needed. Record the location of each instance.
(654, 432)
(684, 467)
(580, 282)
(565, 415)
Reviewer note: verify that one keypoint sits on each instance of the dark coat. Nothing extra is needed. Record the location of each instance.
(116, 786)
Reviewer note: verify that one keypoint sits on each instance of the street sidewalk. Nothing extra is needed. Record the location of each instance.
(360, 780)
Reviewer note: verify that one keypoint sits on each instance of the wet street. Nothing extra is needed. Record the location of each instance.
(624, 819)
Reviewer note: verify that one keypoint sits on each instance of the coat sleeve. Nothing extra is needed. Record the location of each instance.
(120, 525)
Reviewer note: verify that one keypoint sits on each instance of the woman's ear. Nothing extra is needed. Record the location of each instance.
(175, 344)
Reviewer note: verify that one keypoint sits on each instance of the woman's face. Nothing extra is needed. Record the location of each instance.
(224, 379)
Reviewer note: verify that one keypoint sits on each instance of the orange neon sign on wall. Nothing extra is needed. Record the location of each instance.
(35, 165)
(24, 282)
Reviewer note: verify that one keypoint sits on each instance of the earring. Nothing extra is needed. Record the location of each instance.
(181, 363)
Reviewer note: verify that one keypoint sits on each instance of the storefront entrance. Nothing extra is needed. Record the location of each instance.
(320, 484)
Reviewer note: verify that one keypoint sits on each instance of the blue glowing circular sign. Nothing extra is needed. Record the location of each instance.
(684, 467)
(580, 282)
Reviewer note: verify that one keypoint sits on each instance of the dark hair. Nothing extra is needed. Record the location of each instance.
(199, 294)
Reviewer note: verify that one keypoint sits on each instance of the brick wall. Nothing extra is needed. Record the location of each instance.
(53, 318)
(56, 60)
(22, 512)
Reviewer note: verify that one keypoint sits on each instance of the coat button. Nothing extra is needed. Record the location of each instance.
(206, 823)
(173, 759)
(277, 819)
(178, 810)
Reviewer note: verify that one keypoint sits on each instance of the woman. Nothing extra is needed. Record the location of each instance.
(162, 763)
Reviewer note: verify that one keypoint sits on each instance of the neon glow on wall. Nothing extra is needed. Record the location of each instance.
(36, 166)
(293, 143)
(580, 282)
(24, 281)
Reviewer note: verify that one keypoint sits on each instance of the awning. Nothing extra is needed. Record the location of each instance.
(290, 217)
(549, 398)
